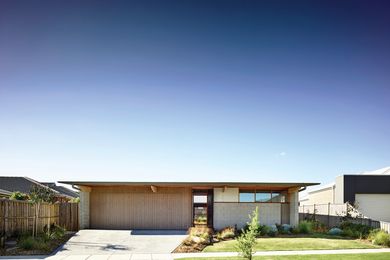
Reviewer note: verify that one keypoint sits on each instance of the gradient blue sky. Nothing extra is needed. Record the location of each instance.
(194, 90)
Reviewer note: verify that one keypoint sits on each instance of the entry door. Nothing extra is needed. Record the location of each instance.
(203, 201)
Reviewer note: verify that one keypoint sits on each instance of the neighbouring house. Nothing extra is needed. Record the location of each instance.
(5, 193)
(9, 184)
(62, 190)
(368, 191)
(180, 205)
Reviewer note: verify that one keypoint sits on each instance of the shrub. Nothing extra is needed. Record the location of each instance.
(379, 237)
(202, 235)
(285, 229)
(227, 232)
(305, 227)
(74, 200)
(55, 232)
(27, 243)
(319, 227)
(273, 231)
(263, 230)
(17, 195)
(31, 243)
(355, 230)
(58, 232)
(335, 232)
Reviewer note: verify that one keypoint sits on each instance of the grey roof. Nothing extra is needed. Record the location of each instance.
(12, 183)
(61, 189)
(5, 192)
(194, 184)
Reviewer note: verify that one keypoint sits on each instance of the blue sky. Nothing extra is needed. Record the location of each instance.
(194, 90)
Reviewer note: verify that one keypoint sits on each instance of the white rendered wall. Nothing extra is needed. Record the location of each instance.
(230, 214)
(374, 206)
(84, 209)
(226, 195)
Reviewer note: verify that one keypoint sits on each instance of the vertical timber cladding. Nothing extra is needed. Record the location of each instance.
(123, 207)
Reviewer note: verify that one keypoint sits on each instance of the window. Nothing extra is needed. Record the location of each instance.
(263, 196)
(247, 196)
(278, 197)
(200, 198)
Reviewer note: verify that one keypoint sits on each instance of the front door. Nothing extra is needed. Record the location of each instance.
(203, 207)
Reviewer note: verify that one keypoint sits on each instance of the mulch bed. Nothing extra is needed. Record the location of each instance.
(53, 245)
(186, 248)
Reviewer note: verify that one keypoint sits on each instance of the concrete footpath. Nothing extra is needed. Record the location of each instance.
(197, 255)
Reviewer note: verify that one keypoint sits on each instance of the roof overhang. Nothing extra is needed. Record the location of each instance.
(273, 185)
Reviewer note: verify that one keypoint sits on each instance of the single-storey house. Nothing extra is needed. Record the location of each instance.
(180, 205)
(368, 191)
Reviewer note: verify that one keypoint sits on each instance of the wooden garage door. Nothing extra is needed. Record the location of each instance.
(140, 208)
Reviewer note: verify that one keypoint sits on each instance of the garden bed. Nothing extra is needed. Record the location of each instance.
(46, 248)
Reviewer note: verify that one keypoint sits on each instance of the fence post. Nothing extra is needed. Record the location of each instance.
(2, 234)
(314, 212)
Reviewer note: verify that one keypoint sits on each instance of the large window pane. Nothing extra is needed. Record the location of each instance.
(263, 196)
(278, 197)
(247, 196)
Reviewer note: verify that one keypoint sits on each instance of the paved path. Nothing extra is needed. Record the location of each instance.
(200, 255)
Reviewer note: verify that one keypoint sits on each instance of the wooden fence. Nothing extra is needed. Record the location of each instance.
(19, 216)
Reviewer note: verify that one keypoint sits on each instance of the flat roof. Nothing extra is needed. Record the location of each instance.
(191, 184)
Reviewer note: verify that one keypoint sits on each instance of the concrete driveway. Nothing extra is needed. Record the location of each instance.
(100, 242)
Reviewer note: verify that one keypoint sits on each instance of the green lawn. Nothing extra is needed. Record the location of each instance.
(291, 243)
(376, 256)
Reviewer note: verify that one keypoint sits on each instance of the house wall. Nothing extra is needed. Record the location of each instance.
(294, 206)
(228, 211)
(84, 209)
(365, 184)
(226, 195)
(234, 213)
(321, 197)
(339, 190)
(374, 206)
(139, 207)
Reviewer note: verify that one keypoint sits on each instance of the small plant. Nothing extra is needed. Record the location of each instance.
(227, 233)
(335, 232)
(379, 237)
(55, 232)
(31, 243)
(17, 195)
(27, 243)
(305, 227)
(74, 200)
(247, 240)
(202, 235)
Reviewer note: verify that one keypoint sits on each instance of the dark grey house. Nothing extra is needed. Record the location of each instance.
(368, 191)
(9, 184)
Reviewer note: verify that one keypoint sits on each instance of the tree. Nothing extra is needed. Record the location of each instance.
(17, 195)
(247, 240)
(38, 195)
